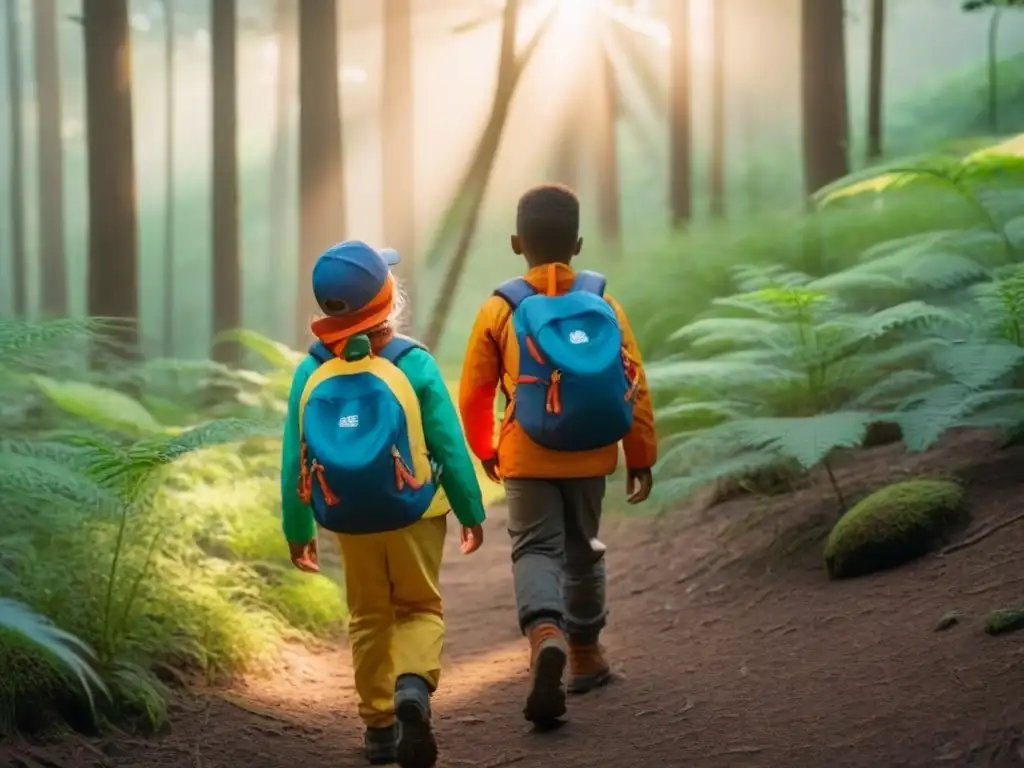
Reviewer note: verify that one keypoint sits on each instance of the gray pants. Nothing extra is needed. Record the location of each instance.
(557, 561)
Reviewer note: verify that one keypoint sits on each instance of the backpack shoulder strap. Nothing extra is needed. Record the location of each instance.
(319, 352)
(514, 291)
(395, 349)
(590, 282)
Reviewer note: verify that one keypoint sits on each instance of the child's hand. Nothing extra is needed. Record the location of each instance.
(304, 556)
(638, 485)
(492, 469)
(471, 539)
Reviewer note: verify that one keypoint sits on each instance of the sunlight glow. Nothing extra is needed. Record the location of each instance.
(642, 23)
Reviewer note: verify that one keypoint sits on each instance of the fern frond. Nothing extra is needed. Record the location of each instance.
(106, 408)
(28, 479)
(978, 365)
(715, 374)
(943, 408)
(888, 392)
(71, 652)
(277, 355)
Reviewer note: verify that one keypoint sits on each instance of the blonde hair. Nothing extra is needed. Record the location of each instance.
(399, 303)
(396, 317)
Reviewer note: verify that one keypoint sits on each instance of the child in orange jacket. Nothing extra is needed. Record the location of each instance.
(552, 455)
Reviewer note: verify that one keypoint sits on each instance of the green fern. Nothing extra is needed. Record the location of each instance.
(73, 654)
(109, 511)
(790, 374)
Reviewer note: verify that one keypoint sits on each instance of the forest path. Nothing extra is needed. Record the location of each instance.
(715, 667)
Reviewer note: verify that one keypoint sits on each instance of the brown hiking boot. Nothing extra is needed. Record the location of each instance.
(545, 702)
(588, 668)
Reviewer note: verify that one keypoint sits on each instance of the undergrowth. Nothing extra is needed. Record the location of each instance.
(145, 526)
(774, 347)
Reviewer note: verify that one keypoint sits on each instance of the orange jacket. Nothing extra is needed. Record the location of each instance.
(493, 352)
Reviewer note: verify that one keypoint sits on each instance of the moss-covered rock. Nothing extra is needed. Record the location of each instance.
(894, 525)
(1004, 620)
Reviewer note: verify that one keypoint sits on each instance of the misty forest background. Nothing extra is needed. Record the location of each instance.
(811, 210)
(591, 109)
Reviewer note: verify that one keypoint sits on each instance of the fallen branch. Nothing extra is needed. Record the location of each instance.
(982, 534)
(252, 709)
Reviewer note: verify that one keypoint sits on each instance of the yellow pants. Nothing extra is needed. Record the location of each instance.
(396, 624)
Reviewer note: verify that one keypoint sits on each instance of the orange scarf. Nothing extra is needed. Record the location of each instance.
(371, 319)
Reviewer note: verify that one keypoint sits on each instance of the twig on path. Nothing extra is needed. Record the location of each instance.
(738, 751)
(982, 534)
(252, 709)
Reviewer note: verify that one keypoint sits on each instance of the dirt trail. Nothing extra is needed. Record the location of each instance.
(716, 667)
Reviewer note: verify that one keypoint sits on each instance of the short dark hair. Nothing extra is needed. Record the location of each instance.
(548, 222)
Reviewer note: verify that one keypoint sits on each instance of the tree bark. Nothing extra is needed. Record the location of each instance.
(680, 131)
(113, 215)
(823, 93)
(226, 253)
(281, 190)
(321, 177)
(17, 179)
(717, 176)
(469, 196)
(169, 208)
(53, 266)
(876, 59)
(398, 157)
(565, 166)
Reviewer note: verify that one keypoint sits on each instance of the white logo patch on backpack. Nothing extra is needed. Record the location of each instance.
(349, 422)
(578, 337)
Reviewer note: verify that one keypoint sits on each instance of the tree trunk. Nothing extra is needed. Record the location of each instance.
(398, 157)
(53, 266)
(321, 177)
(680, 133)
(876, 59)
(113, 216)
(823, 93)
(609, 196)
(565, 166)
(169, 86)
(281, 199)
(17, 179)
(718, 58)
(993, 70)
(469, 196)
(226, 254)
(459, 216)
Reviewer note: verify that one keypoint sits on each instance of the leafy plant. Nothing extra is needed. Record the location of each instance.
(121, 524)
(787, 373)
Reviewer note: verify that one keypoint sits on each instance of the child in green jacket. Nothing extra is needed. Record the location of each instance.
(374, 452)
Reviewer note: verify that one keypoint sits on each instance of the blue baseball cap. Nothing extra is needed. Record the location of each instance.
(349, 275)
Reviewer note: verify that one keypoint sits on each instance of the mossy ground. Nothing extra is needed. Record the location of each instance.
(894, 525)
(1005, 620)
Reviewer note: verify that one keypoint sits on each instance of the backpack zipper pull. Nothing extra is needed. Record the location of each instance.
(329, 498)
(554, 400)
(305, 488)
(403, 475)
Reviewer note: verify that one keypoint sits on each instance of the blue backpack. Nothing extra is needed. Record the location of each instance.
(365, 465)
(576, 385)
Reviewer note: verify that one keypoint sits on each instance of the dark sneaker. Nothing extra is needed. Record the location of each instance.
(588, 668)
(545, 702)
(379, 745)
(417, 747)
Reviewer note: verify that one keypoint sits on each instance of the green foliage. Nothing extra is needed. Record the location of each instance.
(892, 526)
(1004, 620)
(901, 300)
(153, 540)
